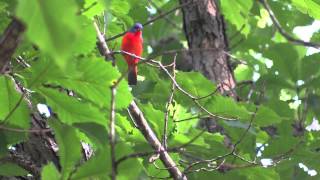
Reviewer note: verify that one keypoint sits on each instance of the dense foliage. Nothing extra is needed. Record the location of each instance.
(278, 88)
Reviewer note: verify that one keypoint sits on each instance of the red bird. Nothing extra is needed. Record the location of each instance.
(132, 42)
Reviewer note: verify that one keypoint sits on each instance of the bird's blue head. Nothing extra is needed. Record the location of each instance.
(137, 27)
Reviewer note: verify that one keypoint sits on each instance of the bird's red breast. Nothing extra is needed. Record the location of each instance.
(132, 42)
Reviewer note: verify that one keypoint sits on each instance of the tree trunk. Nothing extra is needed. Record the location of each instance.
(205, 31)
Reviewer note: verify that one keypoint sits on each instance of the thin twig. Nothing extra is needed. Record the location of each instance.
(206, 96)
(169, 102)
(192, 118)
(283, 32)
(154, 19)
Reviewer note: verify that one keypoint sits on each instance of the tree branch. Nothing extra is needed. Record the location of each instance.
(154, 142)
(283, 32)
(170, 99)
(102, 45)
(9, 42)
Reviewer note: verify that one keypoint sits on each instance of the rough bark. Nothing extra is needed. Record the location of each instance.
(9, 42)
(205, 32)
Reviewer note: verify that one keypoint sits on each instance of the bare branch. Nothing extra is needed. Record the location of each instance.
(283, 32)
(170, 99)
(154, 141)
(102, 45)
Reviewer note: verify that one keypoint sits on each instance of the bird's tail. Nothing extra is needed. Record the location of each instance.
(132, 75)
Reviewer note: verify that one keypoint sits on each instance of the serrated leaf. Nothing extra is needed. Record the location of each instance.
(236, 12)
(91, 78)
(69, 146)
(71, 110)
(120, 7)
(54, 35)
(310, 7)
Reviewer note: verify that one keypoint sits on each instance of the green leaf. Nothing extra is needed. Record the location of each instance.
(155, 118)
(236, 12)
(130, 166)
(227, 107)
(69, 146)
(289, 15)
(71, 110)
(50, 172)
(10, 138)
(127, 132)
(90, 78)
(310, 7)
(10, 169)
(195, 84)
(12, 105)
(54, 27)
(260, 173)
(180, 113)
(243, 72)
(265, 117)
(309, 71)
(283, 54)
(121, 7)
(94, 131)
(93, 8)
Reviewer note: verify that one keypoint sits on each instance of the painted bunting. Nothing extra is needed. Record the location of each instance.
(132, 42)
